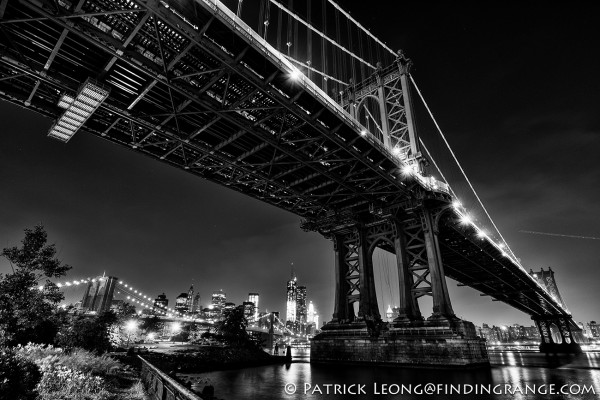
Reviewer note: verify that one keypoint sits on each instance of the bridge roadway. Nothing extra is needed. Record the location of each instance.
(194, 87)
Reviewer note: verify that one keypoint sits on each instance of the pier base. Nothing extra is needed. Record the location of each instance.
(425, 344)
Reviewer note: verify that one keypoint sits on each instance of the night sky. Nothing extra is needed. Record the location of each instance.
(516, 90)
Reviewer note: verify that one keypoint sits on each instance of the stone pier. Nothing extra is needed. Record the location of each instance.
(427, 344)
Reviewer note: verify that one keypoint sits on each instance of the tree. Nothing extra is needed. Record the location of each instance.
(232, 329)
(88, 332)
(27, 307)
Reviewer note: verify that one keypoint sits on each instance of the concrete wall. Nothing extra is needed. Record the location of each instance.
(161, 387)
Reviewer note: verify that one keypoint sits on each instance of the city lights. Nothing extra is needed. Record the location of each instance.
(90, 96)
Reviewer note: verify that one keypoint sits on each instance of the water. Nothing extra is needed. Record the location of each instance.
(528, 376)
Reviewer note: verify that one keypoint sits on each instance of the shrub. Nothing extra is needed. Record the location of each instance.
(18, 376)
(49, 357)
(60, 382)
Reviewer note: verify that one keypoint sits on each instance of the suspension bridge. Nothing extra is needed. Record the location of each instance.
(300, 106)
(99, 294)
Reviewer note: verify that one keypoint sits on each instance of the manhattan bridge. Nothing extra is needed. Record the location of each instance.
(299, 106)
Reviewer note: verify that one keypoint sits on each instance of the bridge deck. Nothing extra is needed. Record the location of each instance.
(193, 87)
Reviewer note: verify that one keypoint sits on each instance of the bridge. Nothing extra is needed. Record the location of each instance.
(332, 139)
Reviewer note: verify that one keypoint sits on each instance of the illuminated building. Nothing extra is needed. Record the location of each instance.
(593, 329)
(196, 304)
(311, 313)
(253, 297)
(219, 299)
(301, 309)
(290, 316)
(181, 303)
(160, 304)
(190, 300)
(248, 307)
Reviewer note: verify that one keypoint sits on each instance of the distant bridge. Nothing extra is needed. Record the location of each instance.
(190, 84)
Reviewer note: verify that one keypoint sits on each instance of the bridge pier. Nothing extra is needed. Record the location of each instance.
(563, 340)
(358, 334)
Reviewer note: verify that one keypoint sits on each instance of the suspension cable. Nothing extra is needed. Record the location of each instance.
(316, 70)
(361, 27)
(297, 18)
(462, 170)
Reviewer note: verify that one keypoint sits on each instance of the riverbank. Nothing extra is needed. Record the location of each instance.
(210, 358)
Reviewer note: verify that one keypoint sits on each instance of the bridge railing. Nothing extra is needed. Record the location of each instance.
(160, 386)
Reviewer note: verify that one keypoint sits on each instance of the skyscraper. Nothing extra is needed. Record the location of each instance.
(253, 297)
(290, 316)
(219, 299)
(301, 309)
(160, 304)
(181, 303)
(190, 300)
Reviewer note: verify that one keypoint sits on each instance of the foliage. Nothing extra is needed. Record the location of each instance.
(27, 313)
(48, 357)
(89, 333)
(151, 324)
(59, 382)
(18, 376)
(232, 329)
(183, 335)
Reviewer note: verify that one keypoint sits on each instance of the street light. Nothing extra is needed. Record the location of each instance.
(130, 327)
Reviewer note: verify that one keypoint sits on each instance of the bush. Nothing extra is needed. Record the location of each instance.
(60, 382)
(49, 357)
(18, 376)
(89, 333)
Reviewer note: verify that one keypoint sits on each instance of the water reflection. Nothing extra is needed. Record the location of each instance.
(519, 370)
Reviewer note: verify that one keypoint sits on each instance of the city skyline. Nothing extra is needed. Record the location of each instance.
(109, 209)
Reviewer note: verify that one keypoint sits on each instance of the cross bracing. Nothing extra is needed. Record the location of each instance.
(190, 89)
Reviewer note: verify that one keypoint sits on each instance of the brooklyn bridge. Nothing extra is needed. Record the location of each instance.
(308, 112)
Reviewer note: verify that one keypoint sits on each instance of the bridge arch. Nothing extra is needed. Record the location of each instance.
(368, 113)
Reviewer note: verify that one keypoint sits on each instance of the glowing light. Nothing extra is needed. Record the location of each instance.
(456, 204)
(396, 151)
(481, 234)
(90, 96)
(151, 336)
(295, 74)
(131, 325)
(40, 287)
(466, 219)
(363, 132)
(407, 170)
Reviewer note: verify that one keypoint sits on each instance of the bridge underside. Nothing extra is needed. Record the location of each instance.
(191, 87)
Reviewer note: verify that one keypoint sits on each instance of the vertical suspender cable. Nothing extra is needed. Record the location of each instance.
(296, 47)
(309, 58)
(261, 17)
(288, 43)
(324, 64)
(267, 18)
(279, 27)
(352, 65)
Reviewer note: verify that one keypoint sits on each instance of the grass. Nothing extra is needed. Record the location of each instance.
(81, 375)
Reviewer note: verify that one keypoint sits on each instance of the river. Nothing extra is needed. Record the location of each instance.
(513, 375)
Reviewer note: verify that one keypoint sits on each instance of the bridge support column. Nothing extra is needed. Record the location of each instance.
(442, 307)
(565, 327)
(408, 308)
(354, 280)
(342, 308)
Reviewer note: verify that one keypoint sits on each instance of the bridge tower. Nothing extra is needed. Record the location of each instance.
(409, 229)
(567, 334)
(98, 295)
